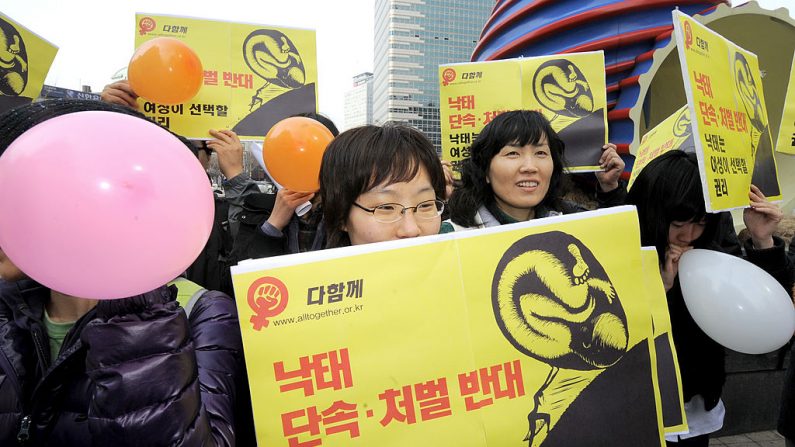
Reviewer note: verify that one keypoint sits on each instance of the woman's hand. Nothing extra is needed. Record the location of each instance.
(761, 219)
(286, 203)
(447, 167)
(612, 165)
(120, 93)
(229, 150)
(671, 266)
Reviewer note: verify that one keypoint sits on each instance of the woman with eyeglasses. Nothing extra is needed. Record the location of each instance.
(380, 183)
(514, 173)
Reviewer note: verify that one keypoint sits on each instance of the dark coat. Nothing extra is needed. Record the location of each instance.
(701, 359)
(131, 372)
(786, 418)
(252, 243)
(211, 267)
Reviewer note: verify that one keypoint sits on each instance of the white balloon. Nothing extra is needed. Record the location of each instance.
(736, 303)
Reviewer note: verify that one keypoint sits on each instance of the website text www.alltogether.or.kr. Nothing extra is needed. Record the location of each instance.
(314, 316)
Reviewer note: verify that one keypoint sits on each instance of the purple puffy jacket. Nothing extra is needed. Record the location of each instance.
(131, 372)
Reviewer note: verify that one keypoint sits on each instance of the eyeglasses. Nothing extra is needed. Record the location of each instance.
(393, 212)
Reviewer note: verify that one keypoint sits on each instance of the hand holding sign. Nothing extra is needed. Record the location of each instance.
(761, 219)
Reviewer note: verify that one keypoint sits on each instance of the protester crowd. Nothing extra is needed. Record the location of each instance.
(166, 367)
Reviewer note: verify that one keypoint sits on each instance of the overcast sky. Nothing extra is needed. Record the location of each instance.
(95, 38)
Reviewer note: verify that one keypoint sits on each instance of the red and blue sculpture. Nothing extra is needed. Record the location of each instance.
(629, 31)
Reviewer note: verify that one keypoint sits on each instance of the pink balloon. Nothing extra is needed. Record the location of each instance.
(102, 205)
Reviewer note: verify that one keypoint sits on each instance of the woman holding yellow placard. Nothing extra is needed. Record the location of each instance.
(514, 175)
(673, 218)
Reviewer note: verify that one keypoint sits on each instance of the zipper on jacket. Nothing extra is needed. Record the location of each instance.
(44, 356)
(24, 429)
(36, 333)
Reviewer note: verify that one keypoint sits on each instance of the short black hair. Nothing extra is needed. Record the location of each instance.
(322, 119)
(669, 189)
(19, 120)
(363, 157)
(518, 127)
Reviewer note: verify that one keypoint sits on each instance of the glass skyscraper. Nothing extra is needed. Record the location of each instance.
(359, 102)
(412, 38)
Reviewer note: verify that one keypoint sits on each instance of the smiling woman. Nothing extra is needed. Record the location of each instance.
(514, 174)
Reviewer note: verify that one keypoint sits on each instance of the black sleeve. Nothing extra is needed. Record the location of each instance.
(146, 388)
(726, 237)
(251, 242)
(615, 197)
(773, 260)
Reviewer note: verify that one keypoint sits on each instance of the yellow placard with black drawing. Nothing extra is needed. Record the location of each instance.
(535, 333)
(724, 93)
(25, 59)
(254, 75)
(668, 378)
(674, 133)
(568, 89)
(785, 143)
(472, 95)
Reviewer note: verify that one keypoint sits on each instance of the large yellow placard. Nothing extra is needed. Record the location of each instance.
(785, 143)
(535, 333)
(569, 89)
(724, 92)
(471, 96)
(25, 59)
(254, 75)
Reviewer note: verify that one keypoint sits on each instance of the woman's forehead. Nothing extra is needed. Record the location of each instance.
(420, 182)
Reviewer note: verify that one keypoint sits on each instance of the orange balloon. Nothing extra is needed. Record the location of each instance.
(166, 71)
(293, 150)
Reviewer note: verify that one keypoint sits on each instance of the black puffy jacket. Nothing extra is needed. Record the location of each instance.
(131, 372)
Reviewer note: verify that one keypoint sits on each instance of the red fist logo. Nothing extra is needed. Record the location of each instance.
(448, 76)
(267, 297)
(145, 25)
(688, 36)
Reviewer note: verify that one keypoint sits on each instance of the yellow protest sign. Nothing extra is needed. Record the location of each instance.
(254, 75)
(675, 132)
(535, 333)
(724, 92)
(25, 59)
(471, 96)
(785, 143)
(668, 378)
(569, 89)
